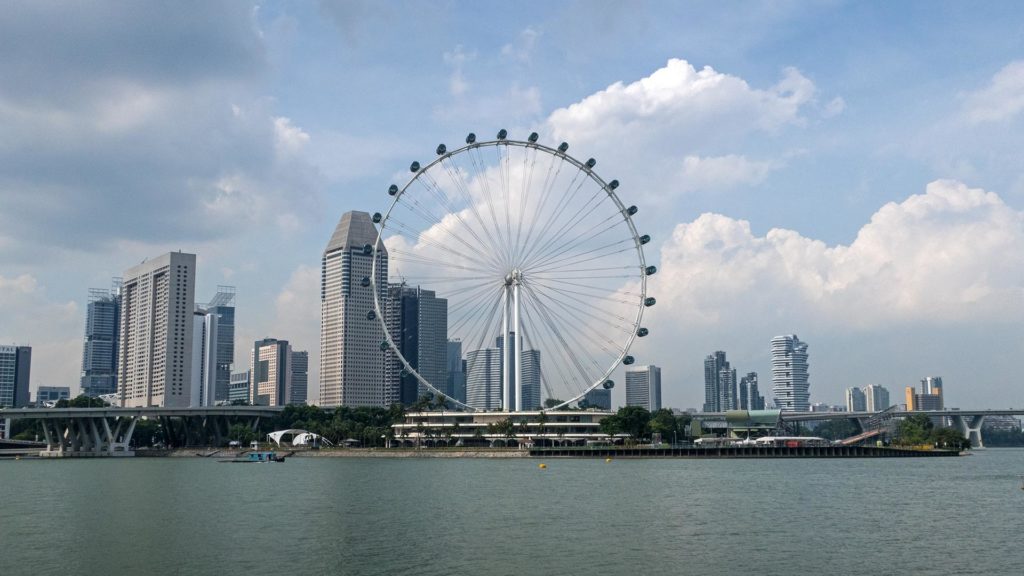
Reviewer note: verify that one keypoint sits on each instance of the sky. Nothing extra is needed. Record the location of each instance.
(849, 172)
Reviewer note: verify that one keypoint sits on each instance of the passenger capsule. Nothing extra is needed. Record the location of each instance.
(470, 138)
(631, 210)
(608, 384)
(649, 301)
(502, 134)
(628, 360)
(591, 163)
(642, 332)
(377, 217)
(367, 249)
(441, 149)
(365, 281)
(645, 239)
(651, 270)
(533, 137)
(384, 345)
(371, 315)
(414, 167)
(613, 184)
(392, 190)
(563, 147)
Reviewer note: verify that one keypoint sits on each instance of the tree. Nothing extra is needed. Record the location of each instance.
(667, 424)
(552, 402)
(950, 438)
(80, 401)
(915, 429)
(242, 433)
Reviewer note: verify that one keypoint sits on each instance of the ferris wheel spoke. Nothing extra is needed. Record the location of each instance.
(436, 224)
(529, 162)
(418, 238)
(439, 194)
(570, 315)
(480, 175)
(603, 297)
(605, 227)
(420, 259)
(550, 179)
(586, 330)
(569, 369)
(597, 303)
(457, 179)
(602, 253)
(558, 363)
(573, 188)
(572, 351)
(553, 243)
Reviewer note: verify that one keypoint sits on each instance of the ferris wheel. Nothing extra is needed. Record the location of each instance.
(536, 262)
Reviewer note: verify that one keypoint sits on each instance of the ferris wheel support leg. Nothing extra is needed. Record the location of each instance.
(518, 346)
(505, 400)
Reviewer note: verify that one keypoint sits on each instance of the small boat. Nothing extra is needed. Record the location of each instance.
(259, 456)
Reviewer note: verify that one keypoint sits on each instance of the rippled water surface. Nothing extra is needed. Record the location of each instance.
(490, 516)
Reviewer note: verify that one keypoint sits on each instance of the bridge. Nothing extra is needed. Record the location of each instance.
(969, 422)
(99, 432)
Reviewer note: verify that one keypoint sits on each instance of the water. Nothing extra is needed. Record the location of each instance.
(489, 516)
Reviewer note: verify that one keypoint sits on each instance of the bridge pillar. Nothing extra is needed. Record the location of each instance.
(971, 428)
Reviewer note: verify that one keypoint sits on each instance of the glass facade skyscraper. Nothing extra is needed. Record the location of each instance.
(99, 350)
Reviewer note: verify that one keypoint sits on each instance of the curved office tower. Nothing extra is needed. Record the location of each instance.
(789, 374)
(351, 359)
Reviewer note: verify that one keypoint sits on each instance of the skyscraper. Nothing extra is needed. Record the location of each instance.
(213, 348)
(755, 401)
(456, 387)
(531, 379)
(789, 374)
(876, 398)
(727, 398)
(855, 400)
(154, 352)
(298, 393)
(713, 365)
(599, 398)
(483, 379)
(15, 369)
(271, 372)
(418, 323)
(352, 367)
(643, 387)
(99, 350)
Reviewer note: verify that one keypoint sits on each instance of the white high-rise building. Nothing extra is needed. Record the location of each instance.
(352, 367)
(876, 398)
(855, 401)
(643, 387)
(155, 348)
(789, 374)
(483, 379)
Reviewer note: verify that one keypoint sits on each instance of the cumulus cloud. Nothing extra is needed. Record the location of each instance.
(1002, 99)
(681, 115)
(923, 268)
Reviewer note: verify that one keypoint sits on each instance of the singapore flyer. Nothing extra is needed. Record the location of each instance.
(529, 258)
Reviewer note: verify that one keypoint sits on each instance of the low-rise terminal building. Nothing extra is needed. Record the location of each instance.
(503, 429)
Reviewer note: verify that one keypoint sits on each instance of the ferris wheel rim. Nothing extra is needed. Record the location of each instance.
(584, 167)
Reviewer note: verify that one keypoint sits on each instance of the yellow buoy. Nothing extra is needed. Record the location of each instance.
(607, 460)
(542, 466)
